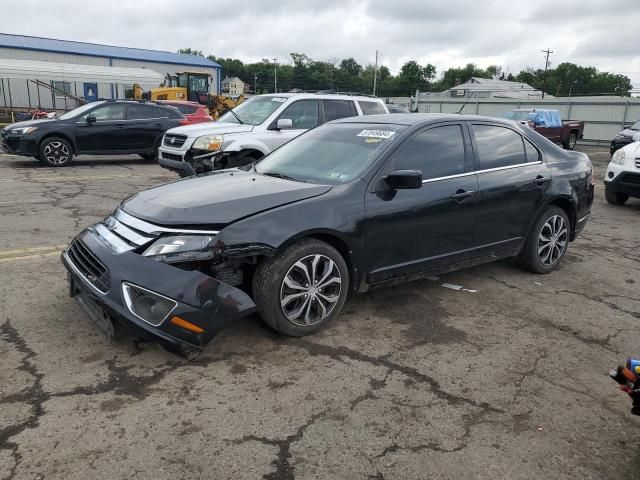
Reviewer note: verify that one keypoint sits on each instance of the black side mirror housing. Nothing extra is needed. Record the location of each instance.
(91, 119)
(404, 179)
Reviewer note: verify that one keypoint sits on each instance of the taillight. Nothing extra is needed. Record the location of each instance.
(185, 122)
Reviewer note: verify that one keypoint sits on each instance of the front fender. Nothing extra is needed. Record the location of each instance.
(239, 144)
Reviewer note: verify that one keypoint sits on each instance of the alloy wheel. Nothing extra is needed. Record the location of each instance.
(552, 241)
(56, 153)
(310, 290)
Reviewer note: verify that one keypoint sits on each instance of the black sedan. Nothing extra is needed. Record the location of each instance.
(624, 137)
(111, 127)
(351, 205)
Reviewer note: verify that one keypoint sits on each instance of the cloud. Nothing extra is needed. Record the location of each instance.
(508, 33)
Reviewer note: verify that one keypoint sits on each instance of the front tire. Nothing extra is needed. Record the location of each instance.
(615, 198)
(55, 152)
(547, 242)
(301, 290)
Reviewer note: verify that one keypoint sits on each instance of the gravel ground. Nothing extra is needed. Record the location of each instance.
(416, 381)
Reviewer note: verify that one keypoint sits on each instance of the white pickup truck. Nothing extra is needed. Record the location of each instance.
(256, 127)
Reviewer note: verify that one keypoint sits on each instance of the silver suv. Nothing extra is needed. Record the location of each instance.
(256, 127)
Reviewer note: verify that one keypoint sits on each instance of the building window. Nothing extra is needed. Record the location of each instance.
(62, 87)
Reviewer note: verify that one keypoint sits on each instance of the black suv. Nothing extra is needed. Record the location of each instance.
(624, 137)
(111, 127)
(351, 205)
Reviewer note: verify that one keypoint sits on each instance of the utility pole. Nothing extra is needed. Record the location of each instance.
(375, 74)
(546, 65)
(275, 75)
(255, 83)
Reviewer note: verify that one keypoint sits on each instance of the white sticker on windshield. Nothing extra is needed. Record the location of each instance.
(376, 133)
(279, 99)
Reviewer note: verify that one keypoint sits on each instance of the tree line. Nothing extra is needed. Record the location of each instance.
(347, 75)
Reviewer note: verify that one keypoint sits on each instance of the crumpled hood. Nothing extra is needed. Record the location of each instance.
(211, 128)
(217, 199)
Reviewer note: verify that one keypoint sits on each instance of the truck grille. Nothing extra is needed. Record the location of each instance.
(637, 162)
(172, 140)
(89, 266)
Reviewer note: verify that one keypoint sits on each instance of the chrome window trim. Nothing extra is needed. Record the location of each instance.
(127, 301)
(152, 229)
(82, 275)
(487, 170)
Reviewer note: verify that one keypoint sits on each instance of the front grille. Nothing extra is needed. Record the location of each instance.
(89, 266)
(172, 140)
(171, 156)
(637, 162)
(632, 178)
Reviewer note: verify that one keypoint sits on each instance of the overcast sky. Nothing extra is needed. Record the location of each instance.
(601, 33)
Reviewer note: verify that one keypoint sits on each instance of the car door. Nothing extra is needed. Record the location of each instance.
(145, 125)
(512, 181)
(410, 231)
(105, 131)
(304, 115)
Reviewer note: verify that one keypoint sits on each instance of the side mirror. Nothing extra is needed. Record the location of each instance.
(284, 124)
(404, 179)
(91, 119)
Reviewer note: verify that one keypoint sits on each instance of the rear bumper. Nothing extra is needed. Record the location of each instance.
(200, 299)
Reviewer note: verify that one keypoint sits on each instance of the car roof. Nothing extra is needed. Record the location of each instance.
(329, 96)
(178, 102)
(411, 119)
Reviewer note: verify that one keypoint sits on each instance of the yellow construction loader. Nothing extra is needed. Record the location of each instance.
(190, 86)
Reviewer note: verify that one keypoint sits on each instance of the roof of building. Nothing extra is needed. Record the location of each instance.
(97, 50)
(498, 88)
(29, 69)
(232, 79)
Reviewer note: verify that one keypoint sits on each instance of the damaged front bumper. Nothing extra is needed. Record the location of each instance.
(98, 277)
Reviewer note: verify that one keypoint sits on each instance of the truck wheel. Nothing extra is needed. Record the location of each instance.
(302, 289)
(547, 242)
(571, 141)
(55, 152)
(615, 198)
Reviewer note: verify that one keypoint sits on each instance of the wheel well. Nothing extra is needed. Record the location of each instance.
(57, 135)
(252, 152)
(567, 206)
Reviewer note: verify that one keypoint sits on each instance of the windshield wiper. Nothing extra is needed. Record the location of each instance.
(281, 175)
(227, 109)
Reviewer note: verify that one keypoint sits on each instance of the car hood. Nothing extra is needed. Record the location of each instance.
(211, 128)
(31, 123)
(217, 199)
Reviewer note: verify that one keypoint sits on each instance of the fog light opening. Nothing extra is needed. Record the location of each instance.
(151, 307)
(610, 174)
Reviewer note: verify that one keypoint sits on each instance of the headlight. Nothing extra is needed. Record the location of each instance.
(23, 130)
(618, 157)
(210, 143)
(181, 248)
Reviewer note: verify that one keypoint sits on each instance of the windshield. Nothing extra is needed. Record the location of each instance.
(77, 111)
(331, 154)
(255, 110)
(520, 116)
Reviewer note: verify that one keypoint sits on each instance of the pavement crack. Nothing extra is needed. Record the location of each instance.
(611, 305)
(337, 353)
(284, 470)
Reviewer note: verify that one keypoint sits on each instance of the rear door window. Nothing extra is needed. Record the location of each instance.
(371, 108)
(142, 112)
(498, 147)
(436, 152)
(335, 109)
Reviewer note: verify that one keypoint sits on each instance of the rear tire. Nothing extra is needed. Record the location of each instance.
(301, 290)
(615, 198)
(547, 242)
(55, 152)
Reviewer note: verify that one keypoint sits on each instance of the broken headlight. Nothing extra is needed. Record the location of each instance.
(181, 248)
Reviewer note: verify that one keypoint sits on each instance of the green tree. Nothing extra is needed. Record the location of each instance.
(190, 51)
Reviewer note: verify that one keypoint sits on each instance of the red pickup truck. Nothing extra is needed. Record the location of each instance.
(549, 124)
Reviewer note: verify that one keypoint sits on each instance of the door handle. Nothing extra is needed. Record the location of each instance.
(461, 195)
(159, 125)
(540, 180)
(120, 125)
